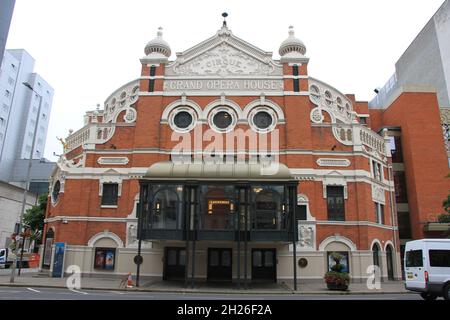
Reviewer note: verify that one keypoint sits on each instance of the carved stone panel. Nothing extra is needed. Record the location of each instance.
(306, 236)
(223, 60)
(131, 234)
(378, 194)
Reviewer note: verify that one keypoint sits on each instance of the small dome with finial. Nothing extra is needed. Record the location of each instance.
(158, 45)
(292, 44)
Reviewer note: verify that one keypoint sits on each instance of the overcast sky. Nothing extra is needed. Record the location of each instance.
(86, 49)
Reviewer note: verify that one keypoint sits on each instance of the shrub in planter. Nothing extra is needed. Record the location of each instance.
(336, 279)
(444, 218)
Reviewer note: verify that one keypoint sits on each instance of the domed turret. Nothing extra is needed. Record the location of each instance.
(158, 45)
(292, 44)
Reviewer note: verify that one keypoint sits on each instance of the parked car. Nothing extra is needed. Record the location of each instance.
(427, 268)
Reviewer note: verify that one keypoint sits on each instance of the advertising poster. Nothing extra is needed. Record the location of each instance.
(104, 258)
(48, 252)
(109, 261)
(344, 261)
(58, 262)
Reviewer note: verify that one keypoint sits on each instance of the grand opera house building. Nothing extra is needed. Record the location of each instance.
(228, 165)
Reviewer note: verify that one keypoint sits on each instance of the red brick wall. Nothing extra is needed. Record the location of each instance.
(424, 155)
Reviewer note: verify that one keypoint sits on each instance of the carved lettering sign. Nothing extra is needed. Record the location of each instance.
(200, 85)
(223, 60)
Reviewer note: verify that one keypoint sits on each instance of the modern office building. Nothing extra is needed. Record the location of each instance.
(6, 12)
(11, 198)
(40, 172)
(426, 62)
(19, 107)
(423, 67)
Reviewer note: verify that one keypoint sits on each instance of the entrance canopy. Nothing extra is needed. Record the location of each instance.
(219, 201)
(168, 170)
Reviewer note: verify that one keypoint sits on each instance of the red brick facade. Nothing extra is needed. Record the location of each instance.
(307, 145)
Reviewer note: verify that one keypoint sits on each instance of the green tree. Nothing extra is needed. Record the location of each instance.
(445, 218)
(446, 204)
(34, 217)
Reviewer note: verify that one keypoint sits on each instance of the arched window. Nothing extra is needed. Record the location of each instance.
(55, 192)
(390, 262)
(376, 254)
(217, 207)
(349, 135)
(342, 134)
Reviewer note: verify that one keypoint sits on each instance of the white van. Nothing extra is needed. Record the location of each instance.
(427, 268)
(4, 258)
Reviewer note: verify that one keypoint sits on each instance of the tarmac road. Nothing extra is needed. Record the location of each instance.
(30, 293)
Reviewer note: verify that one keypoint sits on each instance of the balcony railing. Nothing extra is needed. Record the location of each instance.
(371, 139)
(91, 134)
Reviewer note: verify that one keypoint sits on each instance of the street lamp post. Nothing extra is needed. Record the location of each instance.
(27, 182)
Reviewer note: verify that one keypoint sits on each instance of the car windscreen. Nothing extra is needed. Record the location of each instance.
(414, 258)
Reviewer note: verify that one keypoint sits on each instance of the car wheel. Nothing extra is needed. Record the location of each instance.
(447, 292)
(428, 296)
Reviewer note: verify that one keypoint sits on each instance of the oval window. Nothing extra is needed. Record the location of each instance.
(55, 192)
(222, 119)
(183, 119)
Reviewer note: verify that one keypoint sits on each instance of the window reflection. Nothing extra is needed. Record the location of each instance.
(217, 207)
(166, 208)
(268, 258)
(269, 210)
(257, 258)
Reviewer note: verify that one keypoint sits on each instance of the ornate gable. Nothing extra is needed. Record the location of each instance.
(224, 55)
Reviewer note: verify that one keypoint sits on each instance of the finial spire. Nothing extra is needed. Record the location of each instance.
(224, 15)
(160, 32)
(291, 30)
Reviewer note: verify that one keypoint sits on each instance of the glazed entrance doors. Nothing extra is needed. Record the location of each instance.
(264, 265)
(219, 264)
(174, 264)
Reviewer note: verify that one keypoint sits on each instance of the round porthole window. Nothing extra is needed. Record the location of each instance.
(183, 119)
(55, 192)
(222, 120)
(263, 120)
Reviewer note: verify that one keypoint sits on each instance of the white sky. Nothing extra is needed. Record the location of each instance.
(86, 49)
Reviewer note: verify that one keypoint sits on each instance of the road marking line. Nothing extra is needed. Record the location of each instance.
(78, 291)
(117, 292)
(34, 290)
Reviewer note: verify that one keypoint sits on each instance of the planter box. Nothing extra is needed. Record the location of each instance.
(337, 287)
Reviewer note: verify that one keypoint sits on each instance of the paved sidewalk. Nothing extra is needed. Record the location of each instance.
(34, 279)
